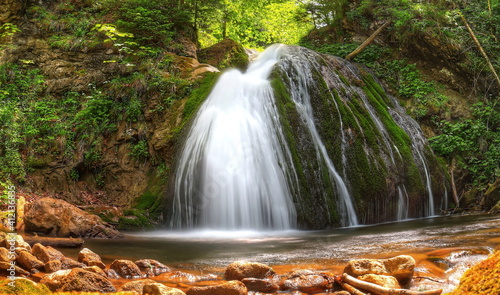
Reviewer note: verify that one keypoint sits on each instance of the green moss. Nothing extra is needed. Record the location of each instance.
(134, 219)
(199, 94)
(23, 286)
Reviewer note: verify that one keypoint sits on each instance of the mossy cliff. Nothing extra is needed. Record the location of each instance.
(377, 149)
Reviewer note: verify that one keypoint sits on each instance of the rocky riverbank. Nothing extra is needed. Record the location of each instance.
(45, 270)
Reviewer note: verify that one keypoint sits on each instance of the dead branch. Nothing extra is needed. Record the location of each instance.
(367, 42)
(376, 289)
(490, 65)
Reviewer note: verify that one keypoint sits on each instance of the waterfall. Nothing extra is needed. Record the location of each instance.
(233, 172)
(301, 140)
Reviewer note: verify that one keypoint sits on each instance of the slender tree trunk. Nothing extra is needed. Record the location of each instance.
(489, 6)
(367, 42)
(481, 49)
(453, 186)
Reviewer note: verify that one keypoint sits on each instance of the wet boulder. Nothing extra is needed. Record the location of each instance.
(307, 282)
(159, 289)
(53, 266)
(242, 269)
(59, 218)
(28, 261)
(77, 279)
(261, 285)
(5, 255)
(401, 267)
(152, 267)
(46, 254)
(126, 269)
(228, 288)
(90, 258)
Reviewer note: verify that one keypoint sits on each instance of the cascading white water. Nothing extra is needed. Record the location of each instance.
(232, 172)
(302, 99)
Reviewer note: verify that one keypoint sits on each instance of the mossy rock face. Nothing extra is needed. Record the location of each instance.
(225, 54)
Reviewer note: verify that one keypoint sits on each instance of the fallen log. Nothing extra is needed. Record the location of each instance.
(379, 290)
(54, 242)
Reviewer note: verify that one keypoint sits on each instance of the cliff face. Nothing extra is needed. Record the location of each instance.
(97, 124)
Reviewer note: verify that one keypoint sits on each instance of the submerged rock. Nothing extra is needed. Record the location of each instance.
(60, 218)
(401, 267)
(229, 288)
(242, 269)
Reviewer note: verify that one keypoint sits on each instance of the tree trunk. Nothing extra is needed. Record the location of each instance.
(480, 49)
(367, 42)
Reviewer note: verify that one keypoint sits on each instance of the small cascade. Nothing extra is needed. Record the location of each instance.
(232, 173)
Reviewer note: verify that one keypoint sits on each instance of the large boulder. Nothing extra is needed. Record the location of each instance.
(401, 267)
(229, 288)
(60, 218)
(261, 285)
(77, 279)
(241, 269)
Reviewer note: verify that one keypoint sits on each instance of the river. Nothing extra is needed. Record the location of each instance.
(443, 247)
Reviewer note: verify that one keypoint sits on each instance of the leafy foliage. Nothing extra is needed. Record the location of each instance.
(474, 142)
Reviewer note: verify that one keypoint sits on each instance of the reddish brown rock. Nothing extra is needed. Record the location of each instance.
(111, 274)
(159, 289)
(308, 282)
(95, 269)
(241, 269)
(261, 285)
(68, 263)
(59, 218)
(79, 280)
(126, 269)
(53, 266)
(90, 258)
(46, 254)
(229, 288)
(401, 267)
(152, 267)
(28, 261)
(6, 255)
(136, 286)
(6, 268)
(54, 280)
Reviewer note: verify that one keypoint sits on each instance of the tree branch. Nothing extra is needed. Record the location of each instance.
(376, 289)
(367, 42)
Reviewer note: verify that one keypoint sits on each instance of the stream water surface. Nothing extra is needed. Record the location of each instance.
(443, 247)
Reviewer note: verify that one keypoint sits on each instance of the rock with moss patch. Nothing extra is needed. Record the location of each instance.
(227, 53)
(23, 286)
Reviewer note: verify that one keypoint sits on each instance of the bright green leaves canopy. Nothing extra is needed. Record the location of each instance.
(254, 23)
